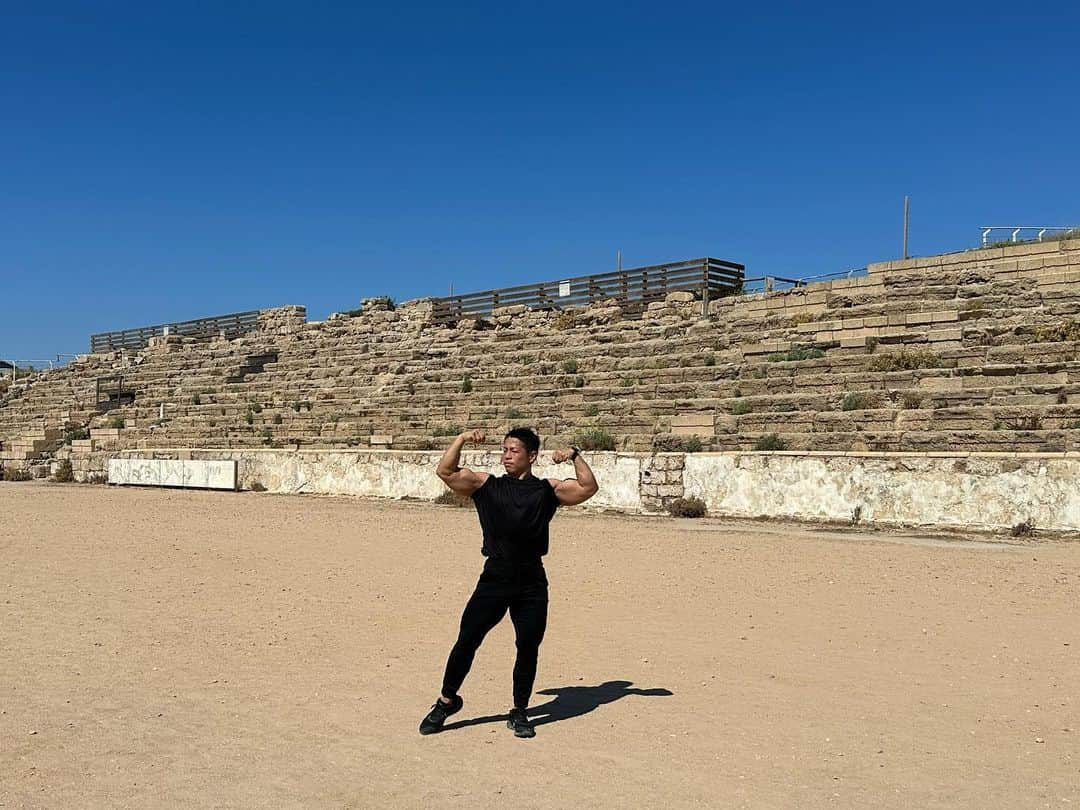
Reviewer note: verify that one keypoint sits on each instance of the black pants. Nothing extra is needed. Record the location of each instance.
(521, 588)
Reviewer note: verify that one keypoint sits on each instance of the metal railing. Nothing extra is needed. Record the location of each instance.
(710, 278)
(1055, 231)
(232, 325)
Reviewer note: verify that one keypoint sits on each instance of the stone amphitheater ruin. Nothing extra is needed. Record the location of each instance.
(942, 390)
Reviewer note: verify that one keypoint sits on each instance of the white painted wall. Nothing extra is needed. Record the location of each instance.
(159, 472)
(988, 491)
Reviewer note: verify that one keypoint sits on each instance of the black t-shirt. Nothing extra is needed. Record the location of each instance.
(514, 514)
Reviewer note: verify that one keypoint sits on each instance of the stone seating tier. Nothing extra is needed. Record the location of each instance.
(964, 351)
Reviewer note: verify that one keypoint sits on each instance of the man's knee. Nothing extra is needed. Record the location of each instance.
(529, 642)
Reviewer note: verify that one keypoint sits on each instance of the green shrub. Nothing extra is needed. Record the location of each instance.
(871, 344)
(116, 422)
(73, 432)
(594, 439)
(687, 507)
(514, 413)
(1062, 332)
(626, 382)
(710, 359)
(466, 384)
(905, 360)
(278, 419)
(447, 430)
(570, 366)
(1075, 425)
(857, 402)
(257, 486)
(910, 400)
(770, 441)
(196, 400)
(296, 406)
(670, 443)
(249, 417)
(64, 474)
(667, 443)
(741, 407)
(592, 410)
(16, 474)
(579, 382)
(795, 354)
(256, 407)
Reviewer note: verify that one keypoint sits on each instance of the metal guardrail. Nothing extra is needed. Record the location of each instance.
(711, 278)
(1056, 232)
(236, 323)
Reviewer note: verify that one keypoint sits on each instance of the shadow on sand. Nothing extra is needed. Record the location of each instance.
(568, 702)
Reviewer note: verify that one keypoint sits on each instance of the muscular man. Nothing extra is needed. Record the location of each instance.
(515, 510)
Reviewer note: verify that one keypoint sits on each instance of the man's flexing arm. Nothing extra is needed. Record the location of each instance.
(461, 479)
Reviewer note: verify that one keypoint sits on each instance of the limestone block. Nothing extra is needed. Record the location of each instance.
(693, 420)
(941, 384)
(935, 335)
(681, 296)
(946, 316)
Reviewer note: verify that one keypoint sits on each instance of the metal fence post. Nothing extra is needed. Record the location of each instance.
(705, 290)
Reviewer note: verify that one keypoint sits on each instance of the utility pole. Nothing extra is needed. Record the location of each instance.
(905, 224)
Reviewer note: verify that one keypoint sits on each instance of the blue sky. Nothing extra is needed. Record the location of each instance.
(166, 161)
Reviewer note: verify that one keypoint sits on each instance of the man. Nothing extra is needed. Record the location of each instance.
(515, 510)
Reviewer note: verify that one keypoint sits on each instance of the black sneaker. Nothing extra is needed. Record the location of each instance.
(520, 723)
(439, 712)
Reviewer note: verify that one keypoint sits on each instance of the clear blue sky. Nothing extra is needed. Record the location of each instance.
(165, 161)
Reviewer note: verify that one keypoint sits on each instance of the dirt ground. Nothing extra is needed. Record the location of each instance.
(194, 649)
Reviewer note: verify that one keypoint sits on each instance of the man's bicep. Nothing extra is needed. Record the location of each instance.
(570, 492)
(465, 481)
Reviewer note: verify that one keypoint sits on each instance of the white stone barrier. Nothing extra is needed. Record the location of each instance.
(989, 491)
(161, 472)
(974, 491)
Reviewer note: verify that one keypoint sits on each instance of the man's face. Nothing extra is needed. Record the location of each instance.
(516, 458)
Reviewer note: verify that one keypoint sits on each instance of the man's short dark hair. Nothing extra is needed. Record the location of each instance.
(527, 437)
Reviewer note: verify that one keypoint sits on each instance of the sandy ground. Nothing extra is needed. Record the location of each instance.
(192, 649)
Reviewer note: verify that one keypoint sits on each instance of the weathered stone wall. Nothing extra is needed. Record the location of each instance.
(991, 491)
(980, 490)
